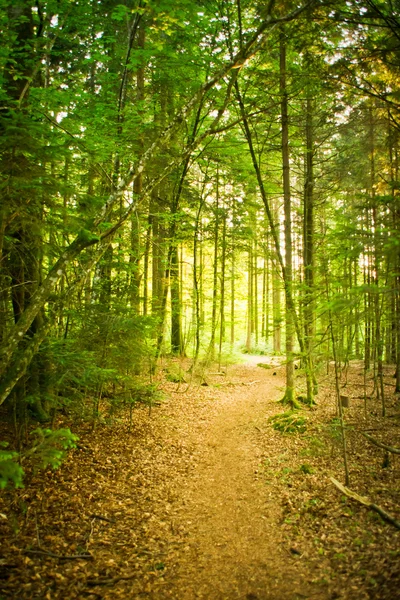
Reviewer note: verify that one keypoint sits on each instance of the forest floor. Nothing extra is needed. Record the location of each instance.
(203, 499)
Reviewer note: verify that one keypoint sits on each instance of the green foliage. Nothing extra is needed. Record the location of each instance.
(316, 447)
(82, 101)
(48, 450)
(304, 400)
(10, 470)
(289, 422)
(335, 428)
(87, 237)
(148, 394)
(104, 353)
(175, 375)
(50, 446)
(306, 469)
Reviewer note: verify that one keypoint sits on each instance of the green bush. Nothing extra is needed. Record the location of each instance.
(49, 447)
(48, 450)
(289, 422)
(10, 470)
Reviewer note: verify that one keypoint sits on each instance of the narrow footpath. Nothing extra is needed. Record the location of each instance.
(201, 499)
(234, 543)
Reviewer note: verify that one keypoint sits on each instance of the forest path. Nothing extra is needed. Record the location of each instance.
(235, 548)
(203, 499)
(190, 502)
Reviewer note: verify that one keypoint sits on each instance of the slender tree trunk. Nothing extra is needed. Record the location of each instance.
(265, 282)
(176, 327)
(376, 268)
(249, 340)
(357, 314)
(276, 309)
(394, 162)
(289, 396)
(4, 310)
(197, 278)
(136, 250)
(222, 287)
(255, 290)
(308, 254)
(134, 260)
(266, 303)
(233, 276)
(215, 273)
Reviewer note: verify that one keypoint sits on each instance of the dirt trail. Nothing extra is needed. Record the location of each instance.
(234, 543)
(203, 499)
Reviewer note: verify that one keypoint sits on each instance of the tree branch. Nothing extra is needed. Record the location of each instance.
(365, 502)
(380, 444)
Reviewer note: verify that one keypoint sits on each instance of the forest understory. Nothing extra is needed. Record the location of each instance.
(203, 498)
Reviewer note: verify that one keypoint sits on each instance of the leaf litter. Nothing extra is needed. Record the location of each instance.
(205, 499)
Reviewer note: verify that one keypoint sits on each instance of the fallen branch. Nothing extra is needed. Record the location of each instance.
(59, 556)
(101, 518)
(108, 580)
(363, 500)
(380, 444)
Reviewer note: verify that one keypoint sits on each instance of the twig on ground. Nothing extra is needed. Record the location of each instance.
(59, 556)
(101, 518)
(37, 530)
(363, 500)
(109, 580)
(380, 444)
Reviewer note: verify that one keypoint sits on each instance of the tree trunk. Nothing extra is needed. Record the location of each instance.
(197, 279)
(176, 328)
(233, 276)
(276, 309)
(215, 273)
(222, 287)
(376, 267)
(308, 254)
(289, 397)
(249, 340)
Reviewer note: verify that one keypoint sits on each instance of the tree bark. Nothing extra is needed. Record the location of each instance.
(289, 397)
(308, 244)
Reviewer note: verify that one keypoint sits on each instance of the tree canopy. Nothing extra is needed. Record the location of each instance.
(171, 172)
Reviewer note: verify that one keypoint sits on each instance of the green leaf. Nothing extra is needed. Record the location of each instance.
(10, 470)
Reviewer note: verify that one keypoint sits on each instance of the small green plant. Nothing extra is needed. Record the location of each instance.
(49, 447)
(334, 428)
(306, 469)
(10, 470)
(48, 450)
(316, 447)
(284, 475)
(147, 394)
(304, 399)
(289, 422)
(176, 377)
(339, 556)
